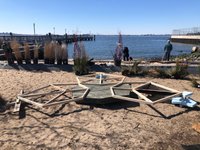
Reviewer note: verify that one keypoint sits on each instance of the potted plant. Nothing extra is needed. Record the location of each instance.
(27, 53)
(47, 53)
(36, 52)
(64, 54)
(80, 59)
(15, 46)
(118, 52)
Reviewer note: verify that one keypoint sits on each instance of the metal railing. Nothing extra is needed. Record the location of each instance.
(187, 31)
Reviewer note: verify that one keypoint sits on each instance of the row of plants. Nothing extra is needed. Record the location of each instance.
(55, 52)
(52, 52)
(178, 72)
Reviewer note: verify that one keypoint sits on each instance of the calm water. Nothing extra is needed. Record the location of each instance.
(139, 46)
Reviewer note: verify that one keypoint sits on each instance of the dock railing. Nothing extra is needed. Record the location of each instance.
(187, 31)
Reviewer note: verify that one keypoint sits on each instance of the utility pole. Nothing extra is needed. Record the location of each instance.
(54, 30)
(34, 31)
(34, 28)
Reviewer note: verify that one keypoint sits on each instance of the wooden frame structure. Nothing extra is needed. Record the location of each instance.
(100, 78)
(144, 90)
(55, 95)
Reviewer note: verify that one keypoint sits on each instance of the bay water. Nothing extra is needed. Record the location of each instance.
(140, 46)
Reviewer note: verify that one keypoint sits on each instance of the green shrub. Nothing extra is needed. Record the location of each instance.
(161, 73)
(80, 60)
(194, 83)
(81, 66)
(133, 70)
(180, 71)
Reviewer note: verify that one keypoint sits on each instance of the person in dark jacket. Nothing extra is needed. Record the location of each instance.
(126, 54)
(8, 52)
(167, 49)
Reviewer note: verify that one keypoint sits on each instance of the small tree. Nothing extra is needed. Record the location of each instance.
(180, 71)
(118, 52)
(80, 59)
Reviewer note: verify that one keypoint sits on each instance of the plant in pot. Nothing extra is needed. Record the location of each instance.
(36, 53)
(27, 53)
(46, 52)
(18, 56)
(118, 52)
(58, 53)
(52, 52)
(80, 59)
(64, 54)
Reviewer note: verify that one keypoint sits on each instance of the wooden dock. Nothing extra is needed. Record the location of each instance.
(48, 37)
(187, 39)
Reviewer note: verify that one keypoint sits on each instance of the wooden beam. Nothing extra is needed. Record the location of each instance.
(132, 82)
(142, 85)
(132, 99)
(141, 95)
(152, 91)
(30, 102)
(38, 89)
(60, 84)
(119, 88)
(86, 93)
(40, 94)
(164, 87)
(167, 98)
(64, 101)
(57, 96)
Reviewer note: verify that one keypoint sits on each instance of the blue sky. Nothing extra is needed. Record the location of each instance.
(98, 16)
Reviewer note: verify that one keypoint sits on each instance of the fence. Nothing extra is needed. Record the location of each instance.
(187, 31)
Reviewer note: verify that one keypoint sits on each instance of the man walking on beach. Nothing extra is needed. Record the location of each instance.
(167, 49)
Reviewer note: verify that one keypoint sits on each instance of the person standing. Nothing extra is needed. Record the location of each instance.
(8, 52)
(126, 54)
(167, 49)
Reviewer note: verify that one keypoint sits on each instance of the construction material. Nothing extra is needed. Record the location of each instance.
(184, 100)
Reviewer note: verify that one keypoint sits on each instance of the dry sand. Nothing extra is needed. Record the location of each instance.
(73, 126)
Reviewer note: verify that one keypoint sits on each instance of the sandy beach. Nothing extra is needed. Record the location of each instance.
(123, 125)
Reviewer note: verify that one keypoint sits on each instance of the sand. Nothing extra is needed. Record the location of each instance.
(73, 126)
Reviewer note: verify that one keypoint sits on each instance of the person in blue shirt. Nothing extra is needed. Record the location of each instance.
(167, 49)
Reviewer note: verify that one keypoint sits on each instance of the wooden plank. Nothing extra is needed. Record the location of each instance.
(164, 87)
(112, 91)
(112, 79)
(40, 94)
(142, 85)
(111, 83)
(86, 93)
(30, 102)
(17, 106)
(119, 88)
(152, 91)
(141, 95)
(131, 99)
(60, 84)
(57, 96)
(78, 80)
(132, 82)
(38, 89)
(167, 98)
(18, 103)
(100, 79)
(64, 101)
